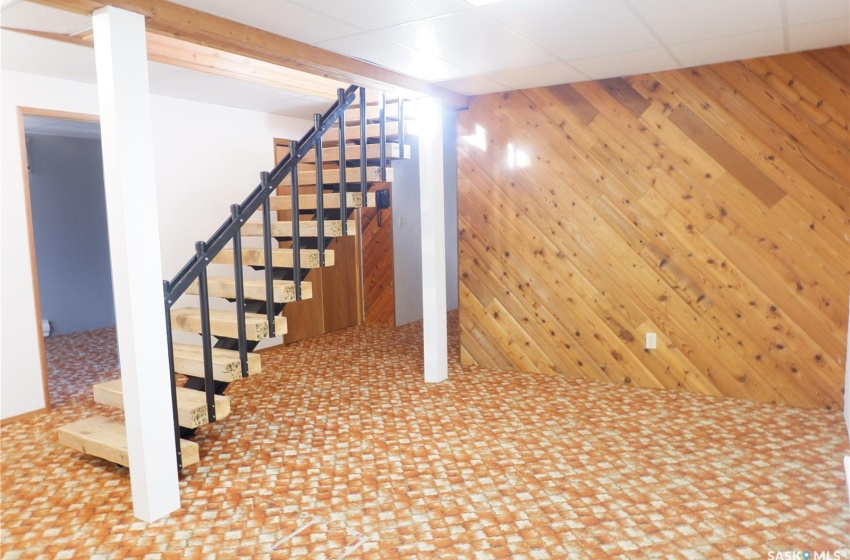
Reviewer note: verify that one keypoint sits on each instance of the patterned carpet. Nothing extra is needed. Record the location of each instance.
(339, 450)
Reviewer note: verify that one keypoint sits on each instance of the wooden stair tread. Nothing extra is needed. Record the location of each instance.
(306, 228)
(332, 176)
(281, 258)
(373, 113)
(352, 152)
(191, 404)
(373, 97)
(253, 288)
(331, 201)
(223, 323)
(352, 133)
(189, 360)
(107, 439)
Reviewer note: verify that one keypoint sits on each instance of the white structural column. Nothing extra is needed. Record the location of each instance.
(128, 164)
(430, 116)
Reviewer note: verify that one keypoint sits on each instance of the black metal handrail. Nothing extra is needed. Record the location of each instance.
(195, 270)
(192, 269)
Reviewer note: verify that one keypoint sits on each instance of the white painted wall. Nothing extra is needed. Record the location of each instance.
(21, 387)
(207, 157)
(450, 183)
(407, 243)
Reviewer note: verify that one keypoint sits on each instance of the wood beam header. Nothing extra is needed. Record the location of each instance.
(179, 22)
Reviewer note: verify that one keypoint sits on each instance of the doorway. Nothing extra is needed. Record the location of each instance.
(70, 250)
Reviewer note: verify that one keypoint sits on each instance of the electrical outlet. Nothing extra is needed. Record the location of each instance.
(650, 341)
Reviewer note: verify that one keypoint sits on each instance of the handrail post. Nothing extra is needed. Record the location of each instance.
(296, 225)
(320, 194)
(363, 186)
(343, 170)
(206, 335)
(267, 252)
(382, 113)
(236, 216)
(166, 289)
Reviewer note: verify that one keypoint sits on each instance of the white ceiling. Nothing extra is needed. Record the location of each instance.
(502, 46)
(521, 43)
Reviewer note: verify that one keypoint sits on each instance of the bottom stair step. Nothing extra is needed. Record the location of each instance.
(191, 404)
(107, 439)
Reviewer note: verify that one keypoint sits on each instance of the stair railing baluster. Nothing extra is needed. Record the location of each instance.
(382, 115)
(169, 340)
(224, 234)
(206, 335)
(296, 223)
(400, 127)
(267, 253)
(238, 280)
(196, 268)
(343, 177)
(320, 195)
(363, 186)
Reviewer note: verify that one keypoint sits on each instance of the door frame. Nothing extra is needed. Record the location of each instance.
(64, 115)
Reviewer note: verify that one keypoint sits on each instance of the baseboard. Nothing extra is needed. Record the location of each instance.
(23, 416)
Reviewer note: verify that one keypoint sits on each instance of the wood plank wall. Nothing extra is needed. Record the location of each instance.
(378, 277)
(707, 205)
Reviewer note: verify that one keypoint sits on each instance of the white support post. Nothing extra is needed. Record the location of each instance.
(430, 116)
(128, 164)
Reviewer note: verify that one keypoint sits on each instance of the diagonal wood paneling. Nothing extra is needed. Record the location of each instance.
(378, 278)
(708, 205)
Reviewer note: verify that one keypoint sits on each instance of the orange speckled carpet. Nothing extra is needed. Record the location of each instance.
(340, 450)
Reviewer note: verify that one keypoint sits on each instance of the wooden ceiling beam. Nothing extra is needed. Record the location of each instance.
(172, 20)
(204, 59)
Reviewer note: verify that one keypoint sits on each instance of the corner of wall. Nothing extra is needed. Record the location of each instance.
(847, 406)
(847, 384)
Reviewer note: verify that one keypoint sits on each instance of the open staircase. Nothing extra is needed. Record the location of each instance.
(314, 191)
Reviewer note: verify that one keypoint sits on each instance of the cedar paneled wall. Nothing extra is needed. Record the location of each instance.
(707, 205)
(378, 278)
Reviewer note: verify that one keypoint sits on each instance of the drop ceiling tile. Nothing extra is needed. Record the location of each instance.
(812, 11)
(819, 35)
(537, 76)
(624, 64)
(693, 20)
(33, 55)
(474, 85)
(374, 14)
(724, 49)
(382, 51)
(277, 16)
(217, 90)
(26, 15)
(575, 28)
(159, 68)
(470, 40)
